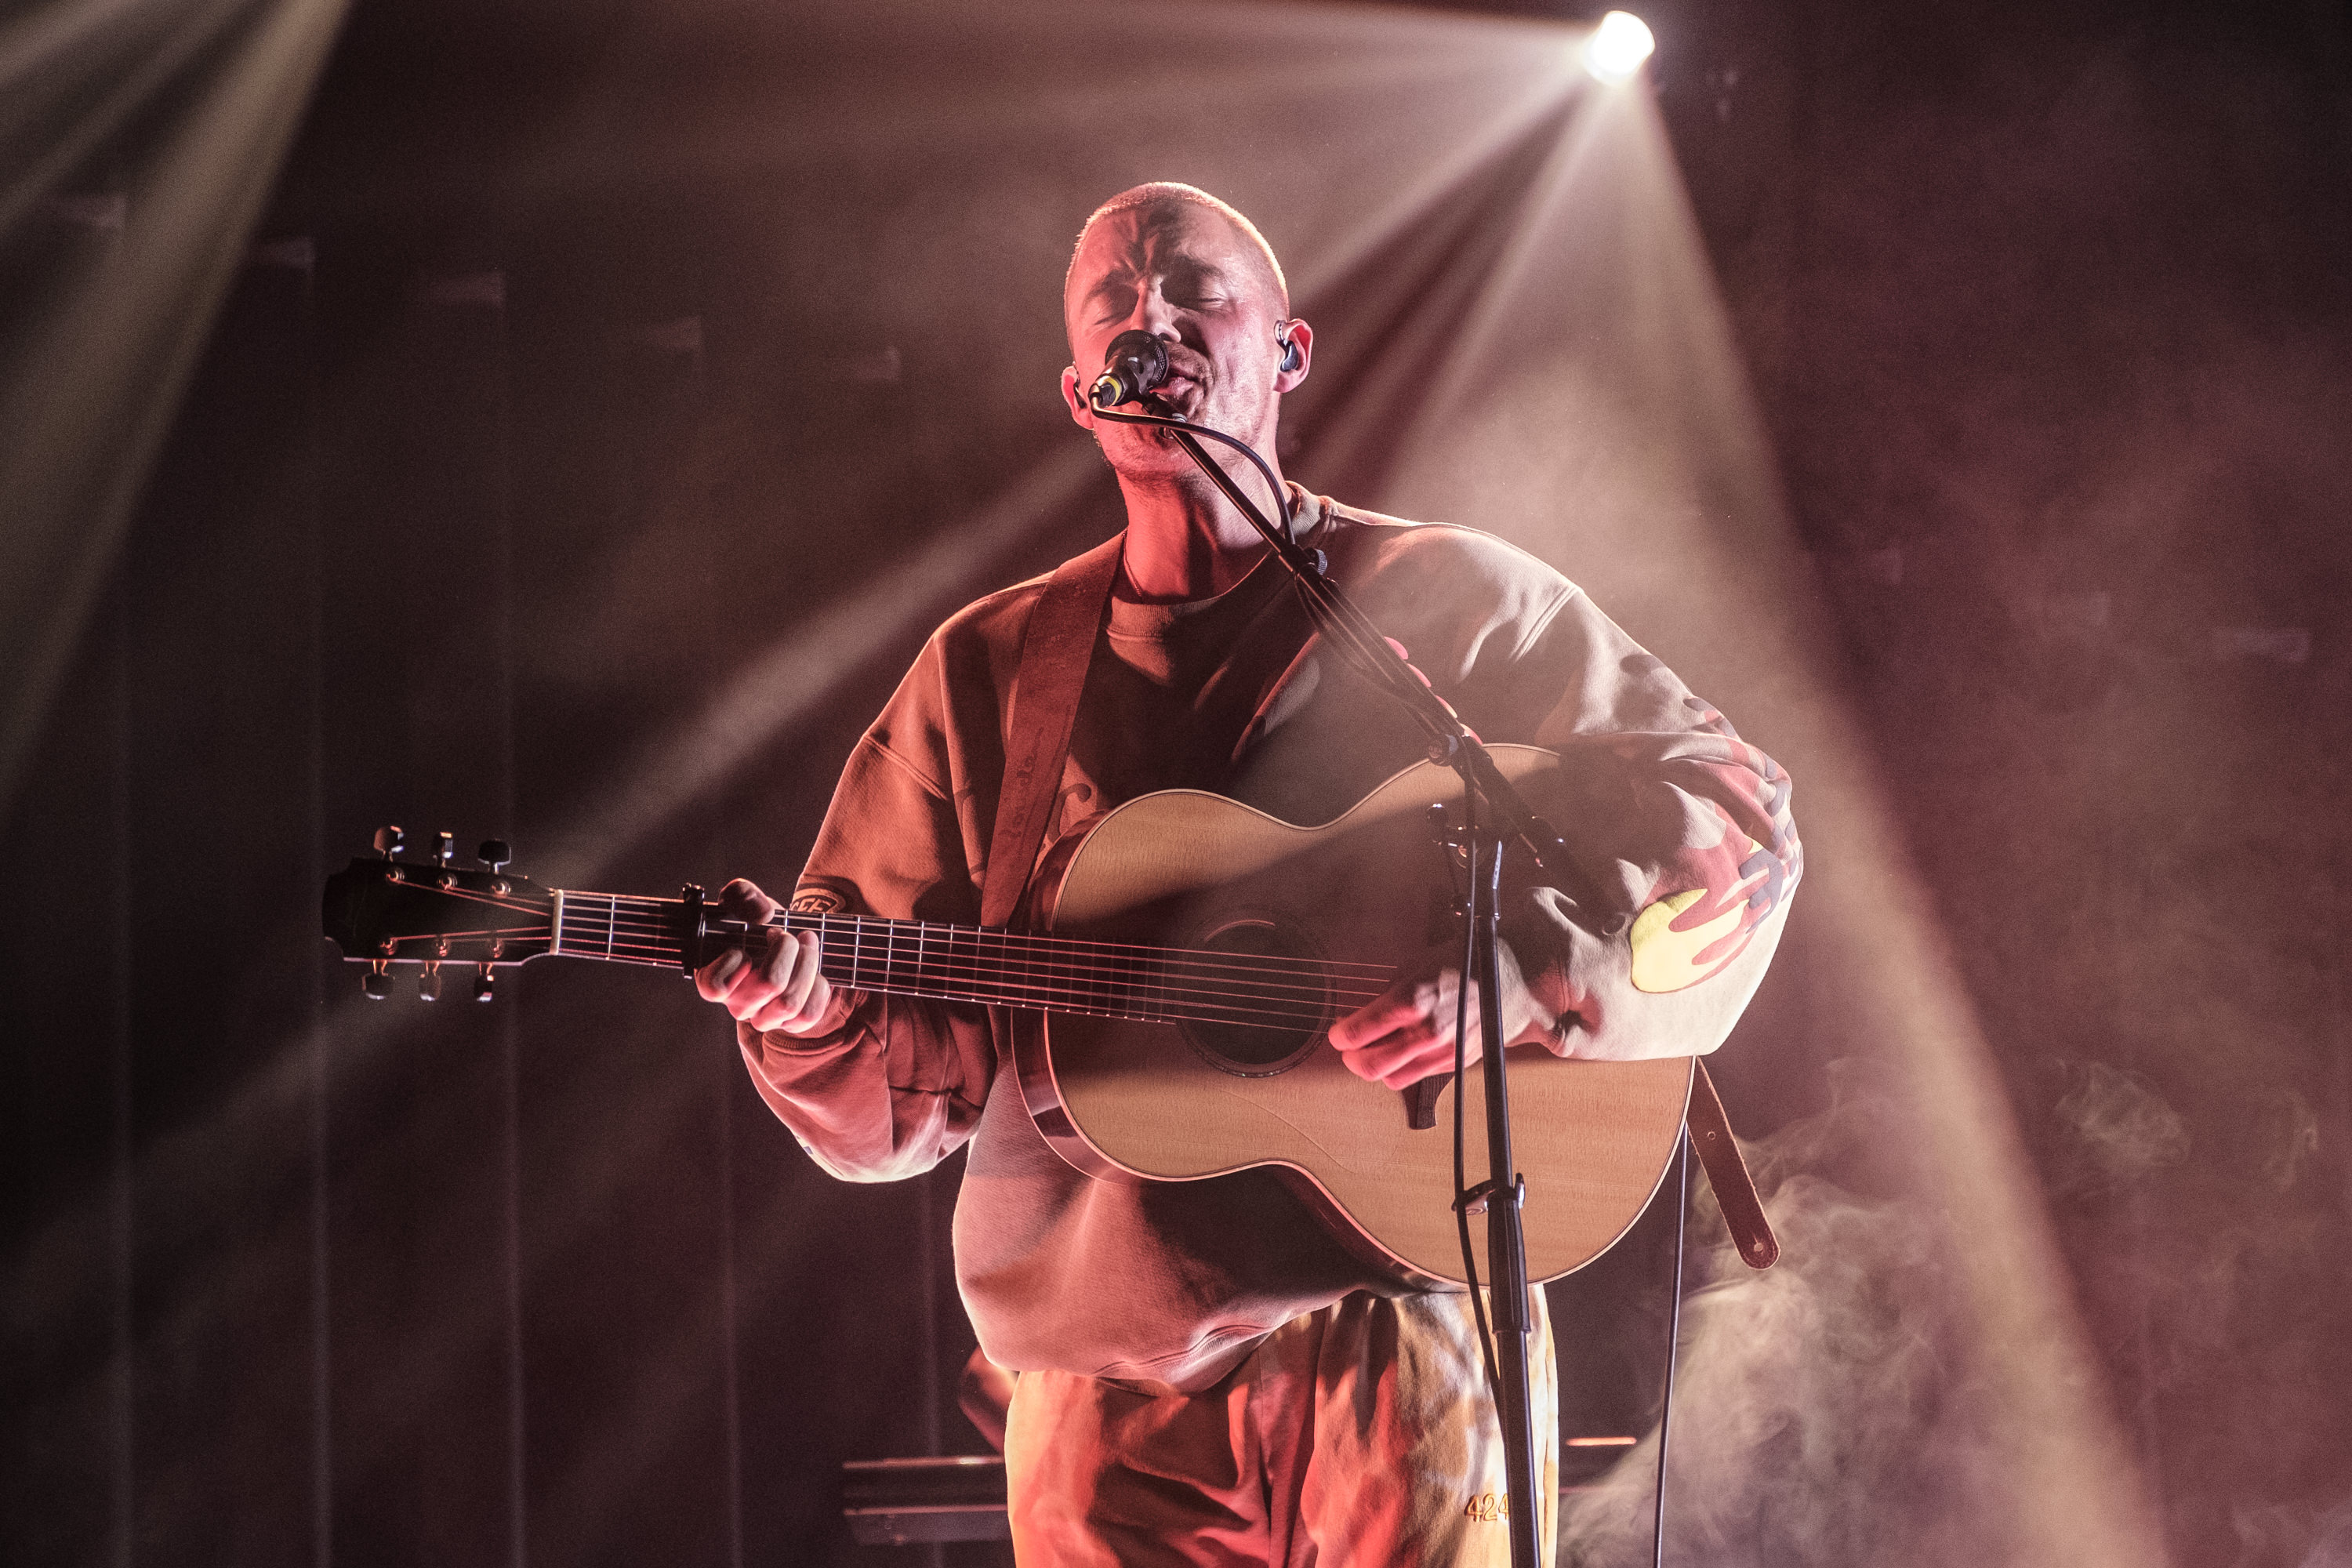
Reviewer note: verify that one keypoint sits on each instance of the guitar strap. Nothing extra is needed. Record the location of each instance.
(1057, 647)
(1726, 1172)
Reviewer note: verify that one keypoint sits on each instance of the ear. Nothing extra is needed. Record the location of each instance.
(1081, 411)
(1302, 337)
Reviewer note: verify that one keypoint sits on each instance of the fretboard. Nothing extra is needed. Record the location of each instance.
(995, 968)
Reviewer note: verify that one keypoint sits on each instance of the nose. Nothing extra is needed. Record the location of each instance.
(1155, 315)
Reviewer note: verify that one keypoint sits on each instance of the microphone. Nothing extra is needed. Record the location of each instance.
(1135, 363)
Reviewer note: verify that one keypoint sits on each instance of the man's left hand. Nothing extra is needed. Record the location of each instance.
(1406, 1034)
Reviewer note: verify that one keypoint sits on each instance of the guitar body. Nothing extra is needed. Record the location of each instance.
(1185, 1100)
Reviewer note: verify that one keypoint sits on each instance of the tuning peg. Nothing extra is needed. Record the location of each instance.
(495, 853)
(388, 841)
(484, 983)
(375, 985)
(446, 848)
(428, 983)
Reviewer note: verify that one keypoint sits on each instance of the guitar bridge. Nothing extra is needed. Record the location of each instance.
(1421, 1101)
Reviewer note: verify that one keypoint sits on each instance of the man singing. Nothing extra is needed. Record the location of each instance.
(1206, 1376)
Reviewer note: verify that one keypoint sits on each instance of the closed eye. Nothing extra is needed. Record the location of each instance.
(1116, 303)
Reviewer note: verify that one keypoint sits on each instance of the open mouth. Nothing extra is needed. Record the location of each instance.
(1178, 391)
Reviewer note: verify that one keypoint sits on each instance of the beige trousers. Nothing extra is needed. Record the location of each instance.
(1358, 1437)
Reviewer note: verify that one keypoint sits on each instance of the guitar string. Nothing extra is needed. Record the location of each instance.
(1134, 978)
(1070, 975)
(1132, 975)
(1156, 1004)
(953, 941)
(649, 916)
(1072, 943)
(1120, 992)
(986, 985)
(646, 917)
(1074, 992)
(661, 913)
(1173, 978)
(655, 956)
(655, 918)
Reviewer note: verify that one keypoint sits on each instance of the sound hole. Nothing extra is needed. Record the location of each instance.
(1261, 1051)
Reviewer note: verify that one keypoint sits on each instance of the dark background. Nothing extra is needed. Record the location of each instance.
(617, 394)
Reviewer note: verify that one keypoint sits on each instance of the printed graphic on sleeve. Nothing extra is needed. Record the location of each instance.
(1709, 901)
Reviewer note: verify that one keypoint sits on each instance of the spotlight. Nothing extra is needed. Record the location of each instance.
(1618, 46)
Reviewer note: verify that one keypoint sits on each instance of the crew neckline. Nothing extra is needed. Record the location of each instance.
(1137, 619)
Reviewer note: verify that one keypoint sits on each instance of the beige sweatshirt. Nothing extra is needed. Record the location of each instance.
(1683, 827)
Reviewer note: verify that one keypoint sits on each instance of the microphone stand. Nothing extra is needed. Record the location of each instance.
(1451, 742)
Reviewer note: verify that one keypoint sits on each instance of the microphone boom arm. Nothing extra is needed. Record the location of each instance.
(1350, 630)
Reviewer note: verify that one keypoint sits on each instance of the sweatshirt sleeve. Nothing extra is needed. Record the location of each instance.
(1684, 836)
(900, 1085)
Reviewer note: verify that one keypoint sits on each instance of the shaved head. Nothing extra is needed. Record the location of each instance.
(1164, 194)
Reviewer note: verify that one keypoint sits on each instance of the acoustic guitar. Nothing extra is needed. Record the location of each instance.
(1184, 956)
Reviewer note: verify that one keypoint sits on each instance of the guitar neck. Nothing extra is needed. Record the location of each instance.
(972, 964)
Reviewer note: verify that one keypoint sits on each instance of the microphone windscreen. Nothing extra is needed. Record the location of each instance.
(1135, 362)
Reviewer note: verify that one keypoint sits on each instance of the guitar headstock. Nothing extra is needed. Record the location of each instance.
(385, 911)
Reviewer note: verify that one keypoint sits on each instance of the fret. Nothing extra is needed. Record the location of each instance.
(663, 938)
(1038, 972)
(999, 963)
(556, 915)
(611, 906)
(890, 954)
(1115, 987)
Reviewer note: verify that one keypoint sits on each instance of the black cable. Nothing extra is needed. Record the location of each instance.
(1281, 497)
(1334, 614)
(1360, 644)
(1673, 1334)
(1451, 742)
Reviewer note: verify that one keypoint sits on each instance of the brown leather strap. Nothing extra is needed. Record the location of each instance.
(1726, 1172)
(1056, 648)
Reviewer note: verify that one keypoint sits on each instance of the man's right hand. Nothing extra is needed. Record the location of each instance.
(775, 983)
